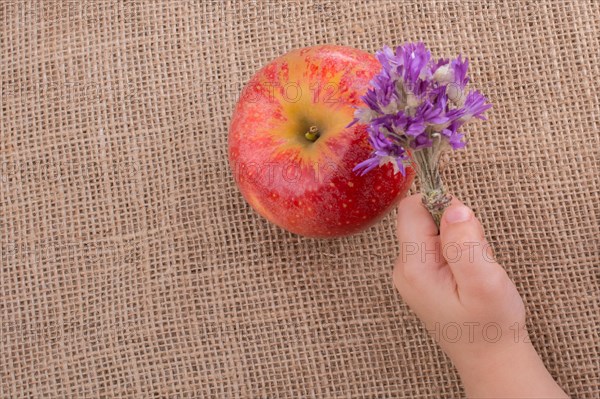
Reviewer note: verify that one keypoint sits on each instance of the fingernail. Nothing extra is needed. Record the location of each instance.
(457, 214)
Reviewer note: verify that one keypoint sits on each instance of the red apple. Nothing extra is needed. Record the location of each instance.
(292, 153)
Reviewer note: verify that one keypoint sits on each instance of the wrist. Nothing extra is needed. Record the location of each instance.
(492, 351)
(512, 370)
(489, 361)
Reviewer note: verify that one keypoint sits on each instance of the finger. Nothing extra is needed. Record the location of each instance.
(465, 249)
(420, 256)
(413, 220)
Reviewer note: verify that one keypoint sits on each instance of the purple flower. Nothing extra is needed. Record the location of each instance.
(453, 72)
(366, 166)
(432, 114)
(415, 58)
(385, 150)
(385, 57)
(421, 141)
(440, 63)
(459, 69)
(455, 139)
(416, 102)
(410, 126)
(475, 105)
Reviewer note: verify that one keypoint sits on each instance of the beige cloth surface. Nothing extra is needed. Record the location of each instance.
(132, 267)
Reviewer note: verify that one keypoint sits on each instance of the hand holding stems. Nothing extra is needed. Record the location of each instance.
(468, 303)
(413, 112)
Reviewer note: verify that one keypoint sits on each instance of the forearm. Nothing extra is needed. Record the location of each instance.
(516, 372)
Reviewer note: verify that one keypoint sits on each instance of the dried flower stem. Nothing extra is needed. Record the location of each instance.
(435, 198)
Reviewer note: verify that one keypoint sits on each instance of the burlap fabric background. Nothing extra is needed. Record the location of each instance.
(132, 267)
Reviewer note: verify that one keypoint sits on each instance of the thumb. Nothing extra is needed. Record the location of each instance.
(466, 251)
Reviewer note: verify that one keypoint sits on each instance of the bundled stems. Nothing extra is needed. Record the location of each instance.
(435, 198)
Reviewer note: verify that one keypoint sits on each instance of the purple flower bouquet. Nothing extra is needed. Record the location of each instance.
(413, 113)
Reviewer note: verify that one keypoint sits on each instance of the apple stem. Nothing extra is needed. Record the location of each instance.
(312, 134)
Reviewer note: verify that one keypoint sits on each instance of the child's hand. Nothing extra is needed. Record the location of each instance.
(466, 300)
(454, 285)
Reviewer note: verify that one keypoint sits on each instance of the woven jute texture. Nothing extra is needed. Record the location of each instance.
(132, 267)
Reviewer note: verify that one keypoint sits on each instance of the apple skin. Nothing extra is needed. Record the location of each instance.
(308, 187)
